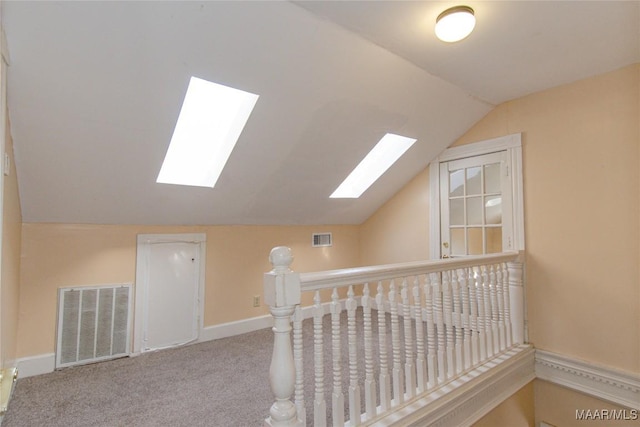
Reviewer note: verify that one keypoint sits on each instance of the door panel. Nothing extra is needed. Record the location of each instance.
(475, 205)
(171, 311)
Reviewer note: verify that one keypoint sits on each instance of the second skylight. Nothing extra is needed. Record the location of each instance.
(385, 153)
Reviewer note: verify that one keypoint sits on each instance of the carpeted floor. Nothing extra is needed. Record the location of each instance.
(218, 383)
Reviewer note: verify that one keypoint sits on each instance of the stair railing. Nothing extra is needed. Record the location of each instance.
(406, 330)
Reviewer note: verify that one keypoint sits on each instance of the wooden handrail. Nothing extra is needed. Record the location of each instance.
(349, 276)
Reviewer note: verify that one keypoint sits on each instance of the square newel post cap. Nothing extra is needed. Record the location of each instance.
(281, 285)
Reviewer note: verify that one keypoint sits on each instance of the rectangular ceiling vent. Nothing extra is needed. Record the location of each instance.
(321, 239)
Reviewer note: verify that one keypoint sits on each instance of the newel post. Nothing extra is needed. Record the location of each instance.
(282, 294)
(516, 299)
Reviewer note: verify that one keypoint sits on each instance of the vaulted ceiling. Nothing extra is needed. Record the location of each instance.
(95, 89)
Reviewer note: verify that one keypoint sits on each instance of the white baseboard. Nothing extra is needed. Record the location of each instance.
(45, 363)
(251, 324)
(602, 382)
(238, 327)
(36, 365)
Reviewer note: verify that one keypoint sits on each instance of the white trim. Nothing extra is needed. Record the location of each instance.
(434, 209)
(470, 397)
(229, 329)
(502, 143)
(172, 238)
(142, 278)
(517, 191)
(45, 363)
(372, 274)
(602, 382)
(512, 144)
(251, 324)
(36, 365)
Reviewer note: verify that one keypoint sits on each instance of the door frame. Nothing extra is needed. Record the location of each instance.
(143, 253)
(512, 144)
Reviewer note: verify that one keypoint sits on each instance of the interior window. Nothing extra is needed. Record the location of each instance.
(476, 199)
(474, 204)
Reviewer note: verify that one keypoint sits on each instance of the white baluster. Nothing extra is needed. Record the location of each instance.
(409, 366)
(298, 362)
(457, 321)
(500, 292)
(516, 300)
(494, 310)
(385, 379)
(507, 305)
(487, 310)
(354, 387)
(482, 335)
(473, 311)
(369, 380)
(396, 372)
(319, 402)
(420, 316)
(440, 334)
(447, 306)
(282, 294)
(466, 319)
(337, 398)
(432, 378)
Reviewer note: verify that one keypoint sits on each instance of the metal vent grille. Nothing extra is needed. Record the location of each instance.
(93, 324)
(321, 239)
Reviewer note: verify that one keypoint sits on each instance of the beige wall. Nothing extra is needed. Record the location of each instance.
(399, 230)
(581, 194)
(58, 255)
(10, 279)
(581, 159)
(516, 411)
(557, 405)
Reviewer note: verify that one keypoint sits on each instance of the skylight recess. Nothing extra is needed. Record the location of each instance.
(385, 153)
(211, 120)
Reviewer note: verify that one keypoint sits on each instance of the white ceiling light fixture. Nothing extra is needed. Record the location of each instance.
(385, 153)
(455, 24)
(209, 125)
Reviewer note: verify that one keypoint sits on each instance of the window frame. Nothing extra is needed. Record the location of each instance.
(512, 144)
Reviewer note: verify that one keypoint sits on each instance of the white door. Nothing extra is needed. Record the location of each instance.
(475, 206)
(169, 290)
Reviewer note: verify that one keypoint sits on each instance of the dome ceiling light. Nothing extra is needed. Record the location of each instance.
(454, 24)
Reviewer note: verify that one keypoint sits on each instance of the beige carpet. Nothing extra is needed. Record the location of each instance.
(218, 383)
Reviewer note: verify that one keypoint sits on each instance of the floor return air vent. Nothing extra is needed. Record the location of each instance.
(93, 324)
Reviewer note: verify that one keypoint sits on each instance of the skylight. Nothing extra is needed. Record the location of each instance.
(389, 149)
(209, 125)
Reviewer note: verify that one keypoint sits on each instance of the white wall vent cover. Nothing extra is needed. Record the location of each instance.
(321, 239)
(93, 324)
